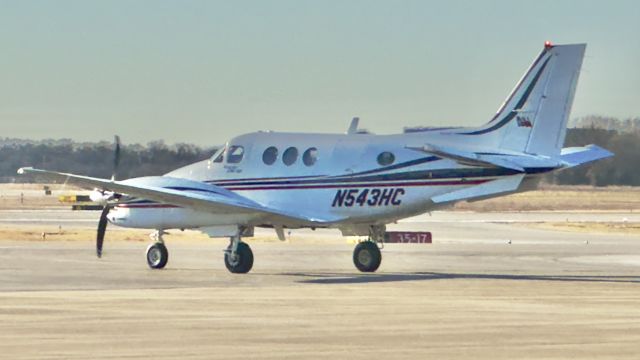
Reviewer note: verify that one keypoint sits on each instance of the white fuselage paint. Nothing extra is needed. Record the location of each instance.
(346, 181)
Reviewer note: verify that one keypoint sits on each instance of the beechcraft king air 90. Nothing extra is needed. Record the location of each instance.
(355, 182)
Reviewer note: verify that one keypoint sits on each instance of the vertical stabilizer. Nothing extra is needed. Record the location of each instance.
(534, 117)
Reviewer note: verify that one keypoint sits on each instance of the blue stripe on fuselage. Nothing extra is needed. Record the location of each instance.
(436, 174)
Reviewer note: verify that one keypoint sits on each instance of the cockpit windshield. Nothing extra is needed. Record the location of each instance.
(218, 156)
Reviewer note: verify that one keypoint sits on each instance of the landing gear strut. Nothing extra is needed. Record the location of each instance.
(366, 255)
(238, 258)
(157, 253)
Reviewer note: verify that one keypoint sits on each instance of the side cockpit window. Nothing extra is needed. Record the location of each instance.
(235, 154)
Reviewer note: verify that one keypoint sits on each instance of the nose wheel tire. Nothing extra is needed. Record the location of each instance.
(367, 256)
(157, 255)
(242, 262)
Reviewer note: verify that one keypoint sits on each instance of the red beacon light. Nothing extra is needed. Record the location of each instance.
(548, 44)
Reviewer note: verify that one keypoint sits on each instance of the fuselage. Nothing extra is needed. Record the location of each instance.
(358, 178)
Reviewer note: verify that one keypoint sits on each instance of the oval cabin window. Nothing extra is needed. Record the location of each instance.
(290, 156)
(386, 158)
(310, 156)
(270, 155)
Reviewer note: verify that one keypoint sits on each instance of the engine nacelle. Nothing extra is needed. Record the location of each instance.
(101, 196)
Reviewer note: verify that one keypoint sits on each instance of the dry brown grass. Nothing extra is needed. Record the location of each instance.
(32, 196)
(51, 233)
(562, 198)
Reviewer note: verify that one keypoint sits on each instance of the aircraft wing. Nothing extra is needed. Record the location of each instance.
(184, 193)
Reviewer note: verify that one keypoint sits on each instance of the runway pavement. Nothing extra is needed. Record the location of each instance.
(470, 294)
(64, 216)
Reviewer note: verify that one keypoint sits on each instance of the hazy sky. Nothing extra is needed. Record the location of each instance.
(203, 71)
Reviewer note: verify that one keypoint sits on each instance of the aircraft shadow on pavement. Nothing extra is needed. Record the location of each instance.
(421, 276)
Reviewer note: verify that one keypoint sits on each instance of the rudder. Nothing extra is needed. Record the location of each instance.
(550, 124)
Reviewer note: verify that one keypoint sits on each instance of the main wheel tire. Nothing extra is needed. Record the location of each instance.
(157, 255)
(243, 262)
(367, 256)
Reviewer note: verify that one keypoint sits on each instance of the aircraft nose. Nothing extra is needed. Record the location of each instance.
(117, 215)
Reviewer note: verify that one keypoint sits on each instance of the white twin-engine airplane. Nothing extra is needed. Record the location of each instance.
(355, 182)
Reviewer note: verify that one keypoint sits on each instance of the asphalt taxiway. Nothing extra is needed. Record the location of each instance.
(471, 294)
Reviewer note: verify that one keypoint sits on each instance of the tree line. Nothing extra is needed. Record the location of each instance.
(621, 169)
(96, 159)
(631, 124)
(157, 158)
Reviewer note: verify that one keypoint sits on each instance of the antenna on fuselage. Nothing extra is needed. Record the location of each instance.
(353, 128)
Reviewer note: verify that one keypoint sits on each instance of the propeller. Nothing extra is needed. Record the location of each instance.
(102, 223)
(102, 227)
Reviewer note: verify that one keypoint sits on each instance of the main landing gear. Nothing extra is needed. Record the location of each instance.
(157, 253)
(238, 258)
(366, 255)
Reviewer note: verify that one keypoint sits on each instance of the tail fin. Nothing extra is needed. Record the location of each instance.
(534, 117)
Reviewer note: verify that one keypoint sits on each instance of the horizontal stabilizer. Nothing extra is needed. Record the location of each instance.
(575, 156)
(500, 186)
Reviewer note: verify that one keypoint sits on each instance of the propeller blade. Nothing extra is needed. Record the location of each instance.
(102, 227)
(116, 157)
